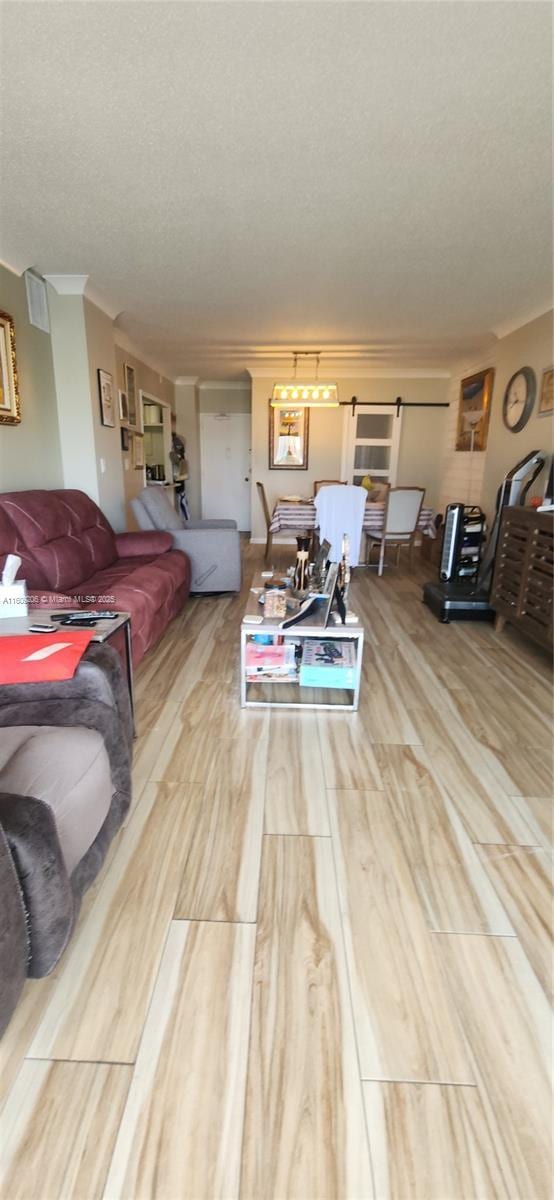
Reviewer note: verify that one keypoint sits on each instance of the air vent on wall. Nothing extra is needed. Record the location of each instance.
(37, 301)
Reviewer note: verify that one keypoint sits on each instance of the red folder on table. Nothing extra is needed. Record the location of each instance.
(42, 657)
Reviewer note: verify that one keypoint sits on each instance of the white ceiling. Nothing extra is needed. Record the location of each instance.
(238, 178)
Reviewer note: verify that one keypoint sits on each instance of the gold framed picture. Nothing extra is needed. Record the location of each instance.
(289, 432)
(546, 402)
(474, 410)
(10, 408)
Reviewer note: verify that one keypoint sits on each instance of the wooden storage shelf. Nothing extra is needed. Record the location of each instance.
(522, 586)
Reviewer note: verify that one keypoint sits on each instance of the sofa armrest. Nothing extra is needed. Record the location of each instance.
(97, 697)
(147, 541)
(31, 835)
(14, 937)
(214, 558)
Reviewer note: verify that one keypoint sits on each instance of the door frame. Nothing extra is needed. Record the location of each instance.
(203, 419)
(149, 398)
(350, 441)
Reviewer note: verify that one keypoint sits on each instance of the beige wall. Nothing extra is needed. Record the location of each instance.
(530, 346)
(147, 380)
(420, 444)
(188, 425)
(73, 396)
(225, 398)
(107, 440)
(30, 455)
(191, 399)
(477, 480)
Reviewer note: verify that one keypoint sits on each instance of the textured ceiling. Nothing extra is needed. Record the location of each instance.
(241, 176)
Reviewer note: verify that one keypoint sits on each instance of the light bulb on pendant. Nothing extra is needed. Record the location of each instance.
(315, 395)
(284, 394)
(326, 394)
(305, 394)
(295, 394)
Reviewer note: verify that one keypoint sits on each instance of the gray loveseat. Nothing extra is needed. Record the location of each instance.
(213, 547)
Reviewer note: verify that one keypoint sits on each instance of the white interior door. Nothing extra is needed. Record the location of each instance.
(225, 466)
(371, 442)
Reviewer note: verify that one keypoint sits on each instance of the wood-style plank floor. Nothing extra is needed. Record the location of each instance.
(317, 964)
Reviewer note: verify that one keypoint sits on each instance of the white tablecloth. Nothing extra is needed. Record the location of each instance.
(290, 516)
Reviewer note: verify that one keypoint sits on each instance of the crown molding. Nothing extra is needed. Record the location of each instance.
(191, 380)
(18, 268)
(80, 285)
(227, 385)
(503, 329)
(68, 285)
(353, 372)
(99, 300)
(125, 343)
(10, 267)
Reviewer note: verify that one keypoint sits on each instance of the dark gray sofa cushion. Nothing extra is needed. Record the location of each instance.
(14, 945)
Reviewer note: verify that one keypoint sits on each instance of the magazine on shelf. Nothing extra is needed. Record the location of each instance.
(270, 662)
(328, 664)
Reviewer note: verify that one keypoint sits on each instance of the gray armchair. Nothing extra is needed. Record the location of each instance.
(213, 547)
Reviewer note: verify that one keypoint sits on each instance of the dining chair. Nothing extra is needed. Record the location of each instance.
(400, 522)
(340, 510)
(267, 517)
(319, 483)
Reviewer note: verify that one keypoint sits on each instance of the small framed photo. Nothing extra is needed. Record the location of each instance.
(546, 402)
(131, 393)
(105, 388)
(10, 412)
(125, 438)
(138, 451)
(123, 408)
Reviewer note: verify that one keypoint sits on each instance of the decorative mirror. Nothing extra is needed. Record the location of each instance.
(288, 438)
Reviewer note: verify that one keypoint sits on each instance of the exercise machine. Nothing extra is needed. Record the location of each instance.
(454, 598)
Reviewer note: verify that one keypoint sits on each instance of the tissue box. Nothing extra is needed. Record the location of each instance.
(13, 599)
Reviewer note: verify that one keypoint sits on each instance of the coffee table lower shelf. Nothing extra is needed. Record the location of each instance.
(261, 694)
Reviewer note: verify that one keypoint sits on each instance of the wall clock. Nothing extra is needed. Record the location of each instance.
(519, 399)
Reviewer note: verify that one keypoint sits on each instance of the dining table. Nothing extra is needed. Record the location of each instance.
(297, 515)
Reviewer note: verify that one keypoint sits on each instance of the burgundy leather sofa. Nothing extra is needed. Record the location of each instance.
(72, 558)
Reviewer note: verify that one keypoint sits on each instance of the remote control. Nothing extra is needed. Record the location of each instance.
(84, 623)
(86, 613)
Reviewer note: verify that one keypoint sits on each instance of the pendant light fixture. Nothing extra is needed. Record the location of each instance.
(314, 394)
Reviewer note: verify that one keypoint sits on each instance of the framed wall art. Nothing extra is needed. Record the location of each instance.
(130, 388)
(105, 388)
(289, 431)
(474, 410)
(123, 408)
(138, 451)
(546, 401)
(10, 408)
